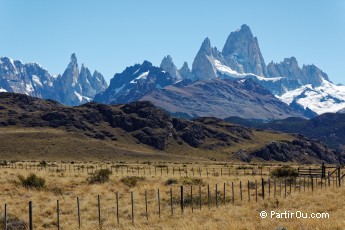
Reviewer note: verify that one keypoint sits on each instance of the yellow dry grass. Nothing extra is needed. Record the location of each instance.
(67, 186)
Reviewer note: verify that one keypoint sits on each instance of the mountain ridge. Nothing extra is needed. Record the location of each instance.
(140, 125)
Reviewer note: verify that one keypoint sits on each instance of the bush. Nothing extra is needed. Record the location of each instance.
(285, 171)
(100, 176)
(171, 181)
(131, 181)
(13, 223)
(32, 181)
(192, 181)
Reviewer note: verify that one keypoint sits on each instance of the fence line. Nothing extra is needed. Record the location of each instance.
(188, 200)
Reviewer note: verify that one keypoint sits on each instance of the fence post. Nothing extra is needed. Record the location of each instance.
(5, 218)
(117, 208)
(275, 188)
(132, 201)
(248, 192)
(312, 183)
(208, 196)
(182, 200)
(224, 195)
(269, 187)
(159, 204)
(171, 202)
(233, 193)
(241, 190)
(99, 210)
(217, 195)
(191, 196)
(78, 206)
(58, 214)
(146, 212)
(256, 190)
(339, 176)
(263, 187)
(200, 201)
(30, 216)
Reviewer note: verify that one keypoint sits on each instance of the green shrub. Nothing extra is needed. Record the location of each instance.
(100, 176)
(285, 171)
(193, 181)
(131, 181)
(171, 181)
(32, 181)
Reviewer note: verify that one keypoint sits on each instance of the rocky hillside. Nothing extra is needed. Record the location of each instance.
(221, 98)
(152, 127)
(328, 127)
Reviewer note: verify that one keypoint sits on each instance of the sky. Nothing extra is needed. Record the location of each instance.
(109, 35)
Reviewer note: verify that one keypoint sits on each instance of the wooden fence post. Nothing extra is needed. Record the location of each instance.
(159, 204)
(146, 212)
(312, 183)
(200, 198)
(132, 201)
(241, 190)
(263, 187)
(208, 196)
(182, 200)
(256, 190)
(233, 193)
(269, 187)
(339, 178)
(31, 227)
(5, 218)
(191, 196)
(248, 192)
(275, 188)
(224, 195)
(99, 210)
(78, 206)
(117, 209)
(171, 202)
(58, 214)
(217, 195)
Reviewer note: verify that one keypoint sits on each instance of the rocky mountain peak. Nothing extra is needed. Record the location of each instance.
(206, 46)
(203, 66)
(245, 30)
(185, 72)
(242, 48)
(169, 66)
(74, 59)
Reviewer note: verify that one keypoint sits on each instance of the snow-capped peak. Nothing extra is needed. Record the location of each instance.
(327, 97)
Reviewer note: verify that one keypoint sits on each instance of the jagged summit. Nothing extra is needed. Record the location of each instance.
(242, 48)
(169, 66)
(206, 46)
(73, 87)
(74, 58)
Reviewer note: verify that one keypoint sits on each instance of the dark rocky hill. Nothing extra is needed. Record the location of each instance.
(156, 129)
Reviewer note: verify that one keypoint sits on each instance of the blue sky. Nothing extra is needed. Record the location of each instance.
(111, 35)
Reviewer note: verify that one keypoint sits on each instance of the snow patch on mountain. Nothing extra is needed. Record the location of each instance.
(227, 70)
(328, 97)
(141, 76)
(2, 90)
(36, 80)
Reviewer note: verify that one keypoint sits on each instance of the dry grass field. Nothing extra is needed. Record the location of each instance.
(66, 186)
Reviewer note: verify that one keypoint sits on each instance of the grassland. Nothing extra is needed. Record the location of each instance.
(67, 186)
(18, 143)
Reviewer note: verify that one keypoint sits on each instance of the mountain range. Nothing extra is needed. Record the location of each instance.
(235, 81)
(74, 87)
(34, 128)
